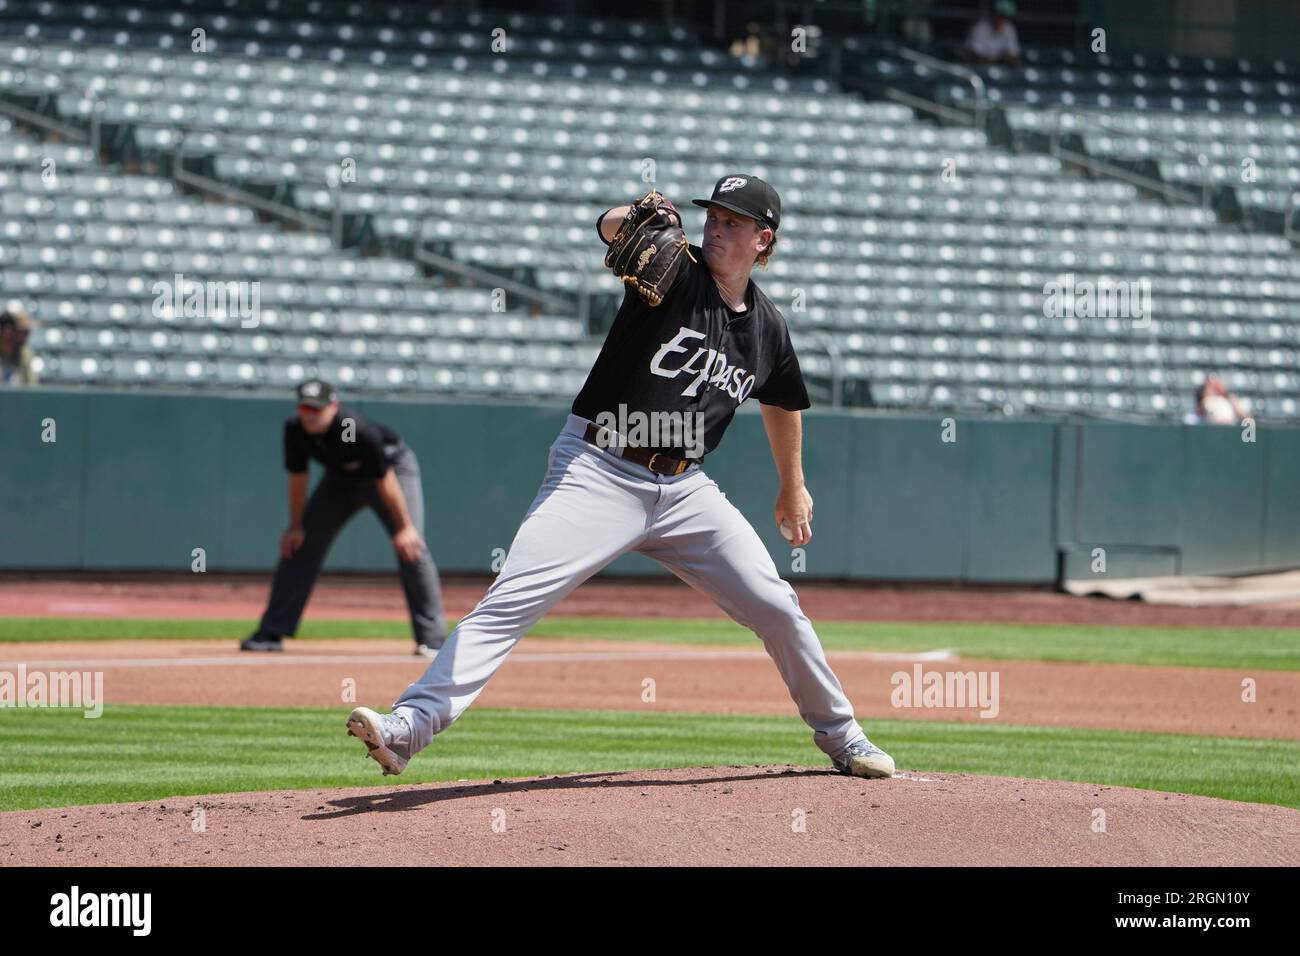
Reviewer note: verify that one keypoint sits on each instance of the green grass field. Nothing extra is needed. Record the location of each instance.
(138, 753)
(1259, 649)
(52, 758)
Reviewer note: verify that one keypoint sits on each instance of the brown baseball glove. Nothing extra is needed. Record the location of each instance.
(650, 247)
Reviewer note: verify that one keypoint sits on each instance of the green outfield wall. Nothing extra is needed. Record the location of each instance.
(138, 481)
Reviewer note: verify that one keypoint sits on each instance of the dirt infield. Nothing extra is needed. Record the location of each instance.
(715, 816)
(550, 673)
(381, 597)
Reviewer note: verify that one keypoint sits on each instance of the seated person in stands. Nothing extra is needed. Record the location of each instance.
(15, 353)
(1215, 405)
(916, 27)
(755, 42)
(993, 38)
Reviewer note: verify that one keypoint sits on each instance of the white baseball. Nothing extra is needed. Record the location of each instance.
(786, 532)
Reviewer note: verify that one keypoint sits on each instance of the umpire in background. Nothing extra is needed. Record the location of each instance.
(365, 464)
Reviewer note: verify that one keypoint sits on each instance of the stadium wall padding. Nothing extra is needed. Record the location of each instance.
(137, 481)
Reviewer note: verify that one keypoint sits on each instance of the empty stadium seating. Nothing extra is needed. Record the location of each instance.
(85, 251)
(928, 287)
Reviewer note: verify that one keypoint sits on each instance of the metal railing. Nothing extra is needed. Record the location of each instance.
(954, 69)
(485, 278)
(977, 114)
(950, 113)
(1107, 168)
(333, 226)
(222, 190)
(90, 135)
(833, 357)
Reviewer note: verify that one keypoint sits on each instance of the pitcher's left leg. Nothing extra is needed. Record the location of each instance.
(705, 541)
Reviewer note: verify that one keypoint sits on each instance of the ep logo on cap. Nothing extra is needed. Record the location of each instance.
(748, 196)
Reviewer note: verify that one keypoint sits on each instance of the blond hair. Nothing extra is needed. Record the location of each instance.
(771, 246)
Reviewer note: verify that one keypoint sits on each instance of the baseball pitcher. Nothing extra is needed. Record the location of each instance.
(695, 337)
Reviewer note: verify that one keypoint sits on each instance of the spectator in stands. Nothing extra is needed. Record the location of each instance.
(756, 42)
(15, 354)
(916, 26)
(1215, 405)
(993, 38)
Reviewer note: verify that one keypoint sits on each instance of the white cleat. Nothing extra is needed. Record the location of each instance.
(387, 738)
(864, 759)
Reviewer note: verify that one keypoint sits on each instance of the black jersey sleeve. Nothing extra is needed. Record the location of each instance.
(784, 386)
(295, 448)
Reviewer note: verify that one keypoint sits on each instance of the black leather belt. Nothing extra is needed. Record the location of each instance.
(656, 461)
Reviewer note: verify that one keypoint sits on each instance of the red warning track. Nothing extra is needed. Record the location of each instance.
(381, 597)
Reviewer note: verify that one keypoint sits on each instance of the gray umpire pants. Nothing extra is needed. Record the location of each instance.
(337, 497)
(592, 507)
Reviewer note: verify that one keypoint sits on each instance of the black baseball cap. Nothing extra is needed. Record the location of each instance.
(316, 393)
(749, 196)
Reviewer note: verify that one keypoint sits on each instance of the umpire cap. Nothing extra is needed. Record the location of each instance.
(315, 393)
(749, 196)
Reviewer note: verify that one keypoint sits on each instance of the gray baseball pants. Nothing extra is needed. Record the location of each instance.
(336, 498)
(593, 507)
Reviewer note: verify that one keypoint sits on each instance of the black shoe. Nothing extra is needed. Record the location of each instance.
(262, 641)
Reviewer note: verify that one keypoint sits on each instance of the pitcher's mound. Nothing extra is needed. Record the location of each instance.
(715, 815)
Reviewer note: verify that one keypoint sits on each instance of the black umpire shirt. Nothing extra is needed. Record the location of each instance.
(692, 353)
(372, 450)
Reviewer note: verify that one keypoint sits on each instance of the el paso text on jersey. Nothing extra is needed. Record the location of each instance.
(712, 364)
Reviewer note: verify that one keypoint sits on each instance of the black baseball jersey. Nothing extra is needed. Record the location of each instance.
(370, 453)
(690, 354)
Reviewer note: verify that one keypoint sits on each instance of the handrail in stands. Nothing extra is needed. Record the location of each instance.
(234, 194)
(285, 213)
(75, 133)
(912, 101)
(827, 342)
(1127, 175)
(1168, 190)
(483, 277)
(954, 69)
